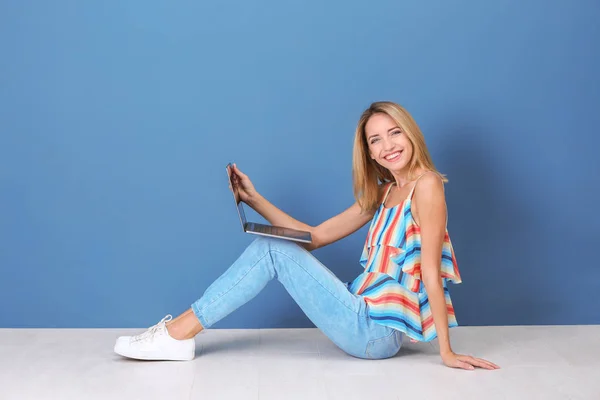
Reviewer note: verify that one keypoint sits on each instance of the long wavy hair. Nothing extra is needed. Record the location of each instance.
(367, 174)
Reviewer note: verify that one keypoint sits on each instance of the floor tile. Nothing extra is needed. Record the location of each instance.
(550, 362)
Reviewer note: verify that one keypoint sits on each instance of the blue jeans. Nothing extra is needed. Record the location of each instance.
(327, 302)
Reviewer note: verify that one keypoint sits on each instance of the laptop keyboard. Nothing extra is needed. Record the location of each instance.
(268, 229)
(278, 231)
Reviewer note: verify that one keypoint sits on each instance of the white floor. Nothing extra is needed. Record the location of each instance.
(545, 362)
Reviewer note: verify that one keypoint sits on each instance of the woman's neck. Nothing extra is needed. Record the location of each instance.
(402, 179)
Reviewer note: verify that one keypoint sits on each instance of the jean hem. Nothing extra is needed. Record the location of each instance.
(200, 317)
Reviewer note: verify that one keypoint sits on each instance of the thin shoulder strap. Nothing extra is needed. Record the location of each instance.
(387, 192)
(410, 195)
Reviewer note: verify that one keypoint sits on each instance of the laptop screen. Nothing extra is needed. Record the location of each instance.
(236, 197)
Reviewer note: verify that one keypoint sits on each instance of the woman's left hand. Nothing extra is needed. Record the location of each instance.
(454, 360)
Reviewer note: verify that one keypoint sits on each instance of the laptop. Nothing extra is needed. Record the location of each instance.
(261, 229)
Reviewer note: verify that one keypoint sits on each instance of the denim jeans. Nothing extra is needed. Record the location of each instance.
(326, 301)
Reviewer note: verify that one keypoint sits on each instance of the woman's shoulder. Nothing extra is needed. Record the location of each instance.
(431, 180)
(430, 186)
(429, 195)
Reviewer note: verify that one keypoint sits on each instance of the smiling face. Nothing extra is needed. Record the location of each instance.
(388, 145)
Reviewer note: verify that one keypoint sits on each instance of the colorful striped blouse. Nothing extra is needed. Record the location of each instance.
(391, 284)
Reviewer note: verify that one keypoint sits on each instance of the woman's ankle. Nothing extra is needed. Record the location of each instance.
(178, 334)
(185, 326)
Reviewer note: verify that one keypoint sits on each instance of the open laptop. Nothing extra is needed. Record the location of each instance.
(261, 229)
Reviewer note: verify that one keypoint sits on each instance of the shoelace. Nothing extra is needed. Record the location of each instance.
(149, 334)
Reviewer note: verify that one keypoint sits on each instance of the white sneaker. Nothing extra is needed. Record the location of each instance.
(156, 344)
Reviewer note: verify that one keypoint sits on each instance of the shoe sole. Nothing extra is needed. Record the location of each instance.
(151, 356)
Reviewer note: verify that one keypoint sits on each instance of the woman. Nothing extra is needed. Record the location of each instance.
(407, 257)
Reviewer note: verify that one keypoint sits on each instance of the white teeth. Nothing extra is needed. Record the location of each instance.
(392, 156)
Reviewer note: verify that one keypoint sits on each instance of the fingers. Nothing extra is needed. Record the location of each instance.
(491, 364)
(237, 174)
(237, 171)
(464, 365)
(481, 363)
(469, 363)
(241, 179)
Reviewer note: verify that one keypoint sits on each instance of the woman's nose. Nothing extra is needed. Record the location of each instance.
(388, 144)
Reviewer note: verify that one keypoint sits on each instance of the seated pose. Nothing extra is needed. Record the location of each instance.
(408, 258)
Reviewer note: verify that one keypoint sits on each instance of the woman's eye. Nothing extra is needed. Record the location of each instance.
(374, 141)
(396, 132)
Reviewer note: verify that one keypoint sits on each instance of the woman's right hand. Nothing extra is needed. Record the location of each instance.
(240, 181)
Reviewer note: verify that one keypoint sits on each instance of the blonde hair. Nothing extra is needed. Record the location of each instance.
(366, 173)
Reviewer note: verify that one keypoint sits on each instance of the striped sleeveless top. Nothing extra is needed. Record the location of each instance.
(391, 283)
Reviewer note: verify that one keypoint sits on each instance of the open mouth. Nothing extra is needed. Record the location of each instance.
(394, 156)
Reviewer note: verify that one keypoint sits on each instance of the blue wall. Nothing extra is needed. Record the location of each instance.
(117, 119)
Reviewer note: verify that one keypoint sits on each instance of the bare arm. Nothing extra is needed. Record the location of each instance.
(431, 213)
(332, 230)
(340, 226)
(328, 232)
